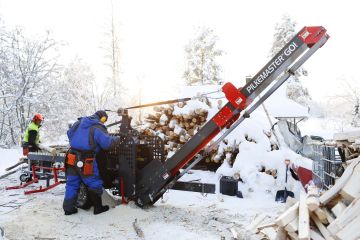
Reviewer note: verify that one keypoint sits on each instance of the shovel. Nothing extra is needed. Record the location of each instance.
(282, 195)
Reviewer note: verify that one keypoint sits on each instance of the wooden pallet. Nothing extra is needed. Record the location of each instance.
(332, 215)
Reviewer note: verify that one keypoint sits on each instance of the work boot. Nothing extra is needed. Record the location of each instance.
(96, 200)
(83, 200)
(69, 206)
(73, 211)
(86, 206)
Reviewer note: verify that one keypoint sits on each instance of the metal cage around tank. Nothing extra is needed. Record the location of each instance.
(327, 165)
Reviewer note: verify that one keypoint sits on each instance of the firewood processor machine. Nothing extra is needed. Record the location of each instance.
(137, 168)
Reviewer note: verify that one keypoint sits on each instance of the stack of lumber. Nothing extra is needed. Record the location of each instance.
(334, 214)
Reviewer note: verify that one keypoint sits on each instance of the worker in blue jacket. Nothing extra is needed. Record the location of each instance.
(87, 137)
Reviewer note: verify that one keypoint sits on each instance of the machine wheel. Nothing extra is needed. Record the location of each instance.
(82, 196)
(24, 177)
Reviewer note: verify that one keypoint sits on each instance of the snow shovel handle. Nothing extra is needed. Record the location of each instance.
(287, 168)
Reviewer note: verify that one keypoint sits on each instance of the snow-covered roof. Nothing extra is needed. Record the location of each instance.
(279, 106)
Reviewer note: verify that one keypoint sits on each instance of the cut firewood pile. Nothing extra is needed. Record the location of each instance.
(176, 124)
(330, 215)
(349, 142)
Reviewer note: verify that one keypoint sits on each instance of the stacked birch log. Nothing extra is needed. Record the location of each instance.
(174, 129)
(176, 124)
(333, 215)
(177, 127)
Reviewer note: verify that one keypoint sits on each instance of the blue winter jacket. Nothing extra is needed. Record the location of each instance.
(88, 133)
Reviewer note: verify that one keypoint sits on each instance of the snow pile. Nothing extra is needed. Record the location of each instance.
(255, 160)
(261, 170)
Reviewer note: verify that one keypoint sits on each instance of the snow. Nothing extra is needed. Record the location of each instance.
(347, 135)
(189, 107)
(279, 106)
(324, 127)
(9, 157)
(163, 119)
(179, 215)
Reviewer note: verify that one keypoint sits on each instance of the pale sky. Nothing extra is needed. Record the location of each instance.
(153, 35)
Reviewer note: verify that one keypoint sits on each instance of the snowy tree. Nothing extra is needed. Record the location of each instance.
(344, 104)
(28, 67)
(356, 114)
(349, 95)
(74, 96)
(201, 54)
(79, 82)
(284, 32)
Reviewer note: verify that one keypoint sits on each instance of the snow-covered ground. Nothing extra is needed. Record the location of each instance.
(179, 215)
(8, 157)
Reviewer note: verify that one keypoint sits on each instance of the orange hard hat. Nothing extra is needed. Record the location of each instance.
(38, 116)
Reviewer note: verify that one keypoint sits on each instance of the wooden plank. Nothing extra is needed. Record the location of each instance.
(7, 174)
(258, 219)
(281, 234)
(270, 233)
(293, 235)
(312, 199)
(349, 214)
(234, 233)
(338, 209)
(324, 231)
(340, 183)
(293, 226)
(334, 201)
(290, 202)
(304, 219)
(315, 235)
(288, 216)
(351, 190)
(321, 214)
(329, 216)
(312, 203)
(268, 225)
(350, 231)
(22, 160)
